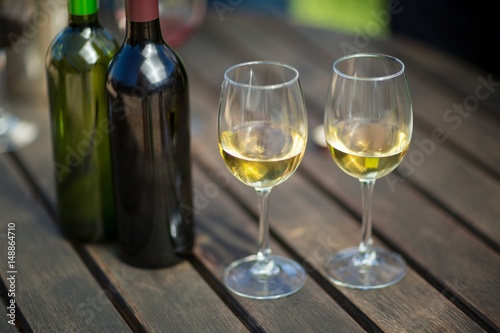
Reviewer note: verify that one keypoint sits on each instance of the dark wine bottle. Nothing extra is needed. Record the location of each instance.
(76, 65)
(150, 143)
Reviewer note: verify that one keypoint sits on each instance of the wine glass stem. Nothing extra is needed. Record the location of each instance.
(365, 246)
(264, 265)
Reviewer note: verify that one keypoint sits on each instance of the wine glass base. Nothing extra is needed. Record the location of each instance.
(15, 133)
(287, 277)
(380, 269)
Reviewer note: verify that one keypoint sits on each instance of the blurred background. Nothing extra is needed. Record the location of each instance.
(465, 29)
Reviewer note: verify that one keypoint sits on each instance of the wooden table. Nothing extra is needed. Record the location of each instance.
(440, 210)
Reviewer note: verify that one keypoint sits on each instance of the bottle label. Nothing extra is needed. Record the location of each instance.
(83, 7)
(141, 10)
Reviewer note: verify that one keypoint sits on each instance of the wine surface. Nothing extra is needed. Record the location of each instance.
(366, 150)
(260, 154)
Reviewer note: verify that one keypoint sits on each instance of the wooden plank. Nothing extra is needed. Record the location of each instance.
(52, 283)
(170, 299)
(454, 72)
(469, 193)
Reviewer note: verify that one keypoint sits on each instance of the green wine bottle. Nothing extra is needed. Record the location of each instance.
(76, 65)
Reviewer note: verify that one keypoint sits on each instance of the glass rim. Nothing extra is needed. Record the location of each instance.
(294, 79)
(368, 78)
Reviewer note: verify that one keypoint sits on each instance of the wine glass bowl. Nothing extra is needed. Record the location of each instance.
(368, 127)
(262, 132)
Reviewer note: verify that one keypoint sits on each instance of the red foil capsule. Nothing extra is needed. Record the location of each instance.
(141, 10)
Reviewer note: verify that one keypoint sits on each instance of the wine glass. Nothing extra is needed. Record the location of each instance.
(368, 127)
(14, 132)
(262, 132)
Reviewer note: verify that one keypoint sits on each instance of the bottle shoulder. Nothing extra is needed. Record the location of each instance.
(81, 47)
(146, 64)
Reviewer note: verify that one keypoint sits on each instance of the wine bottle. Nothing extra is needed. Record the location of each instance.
(150, 143)
(76, 65)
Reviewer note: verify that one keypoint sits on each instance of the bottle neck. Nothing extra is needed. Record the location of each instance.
(141, 10)
(83, 12)
(143, 22)
(143, 31)
(80, 20)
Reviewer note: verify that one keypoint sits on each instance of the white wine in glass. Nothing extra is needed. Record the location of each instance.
(262, 139)
(368, 128)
